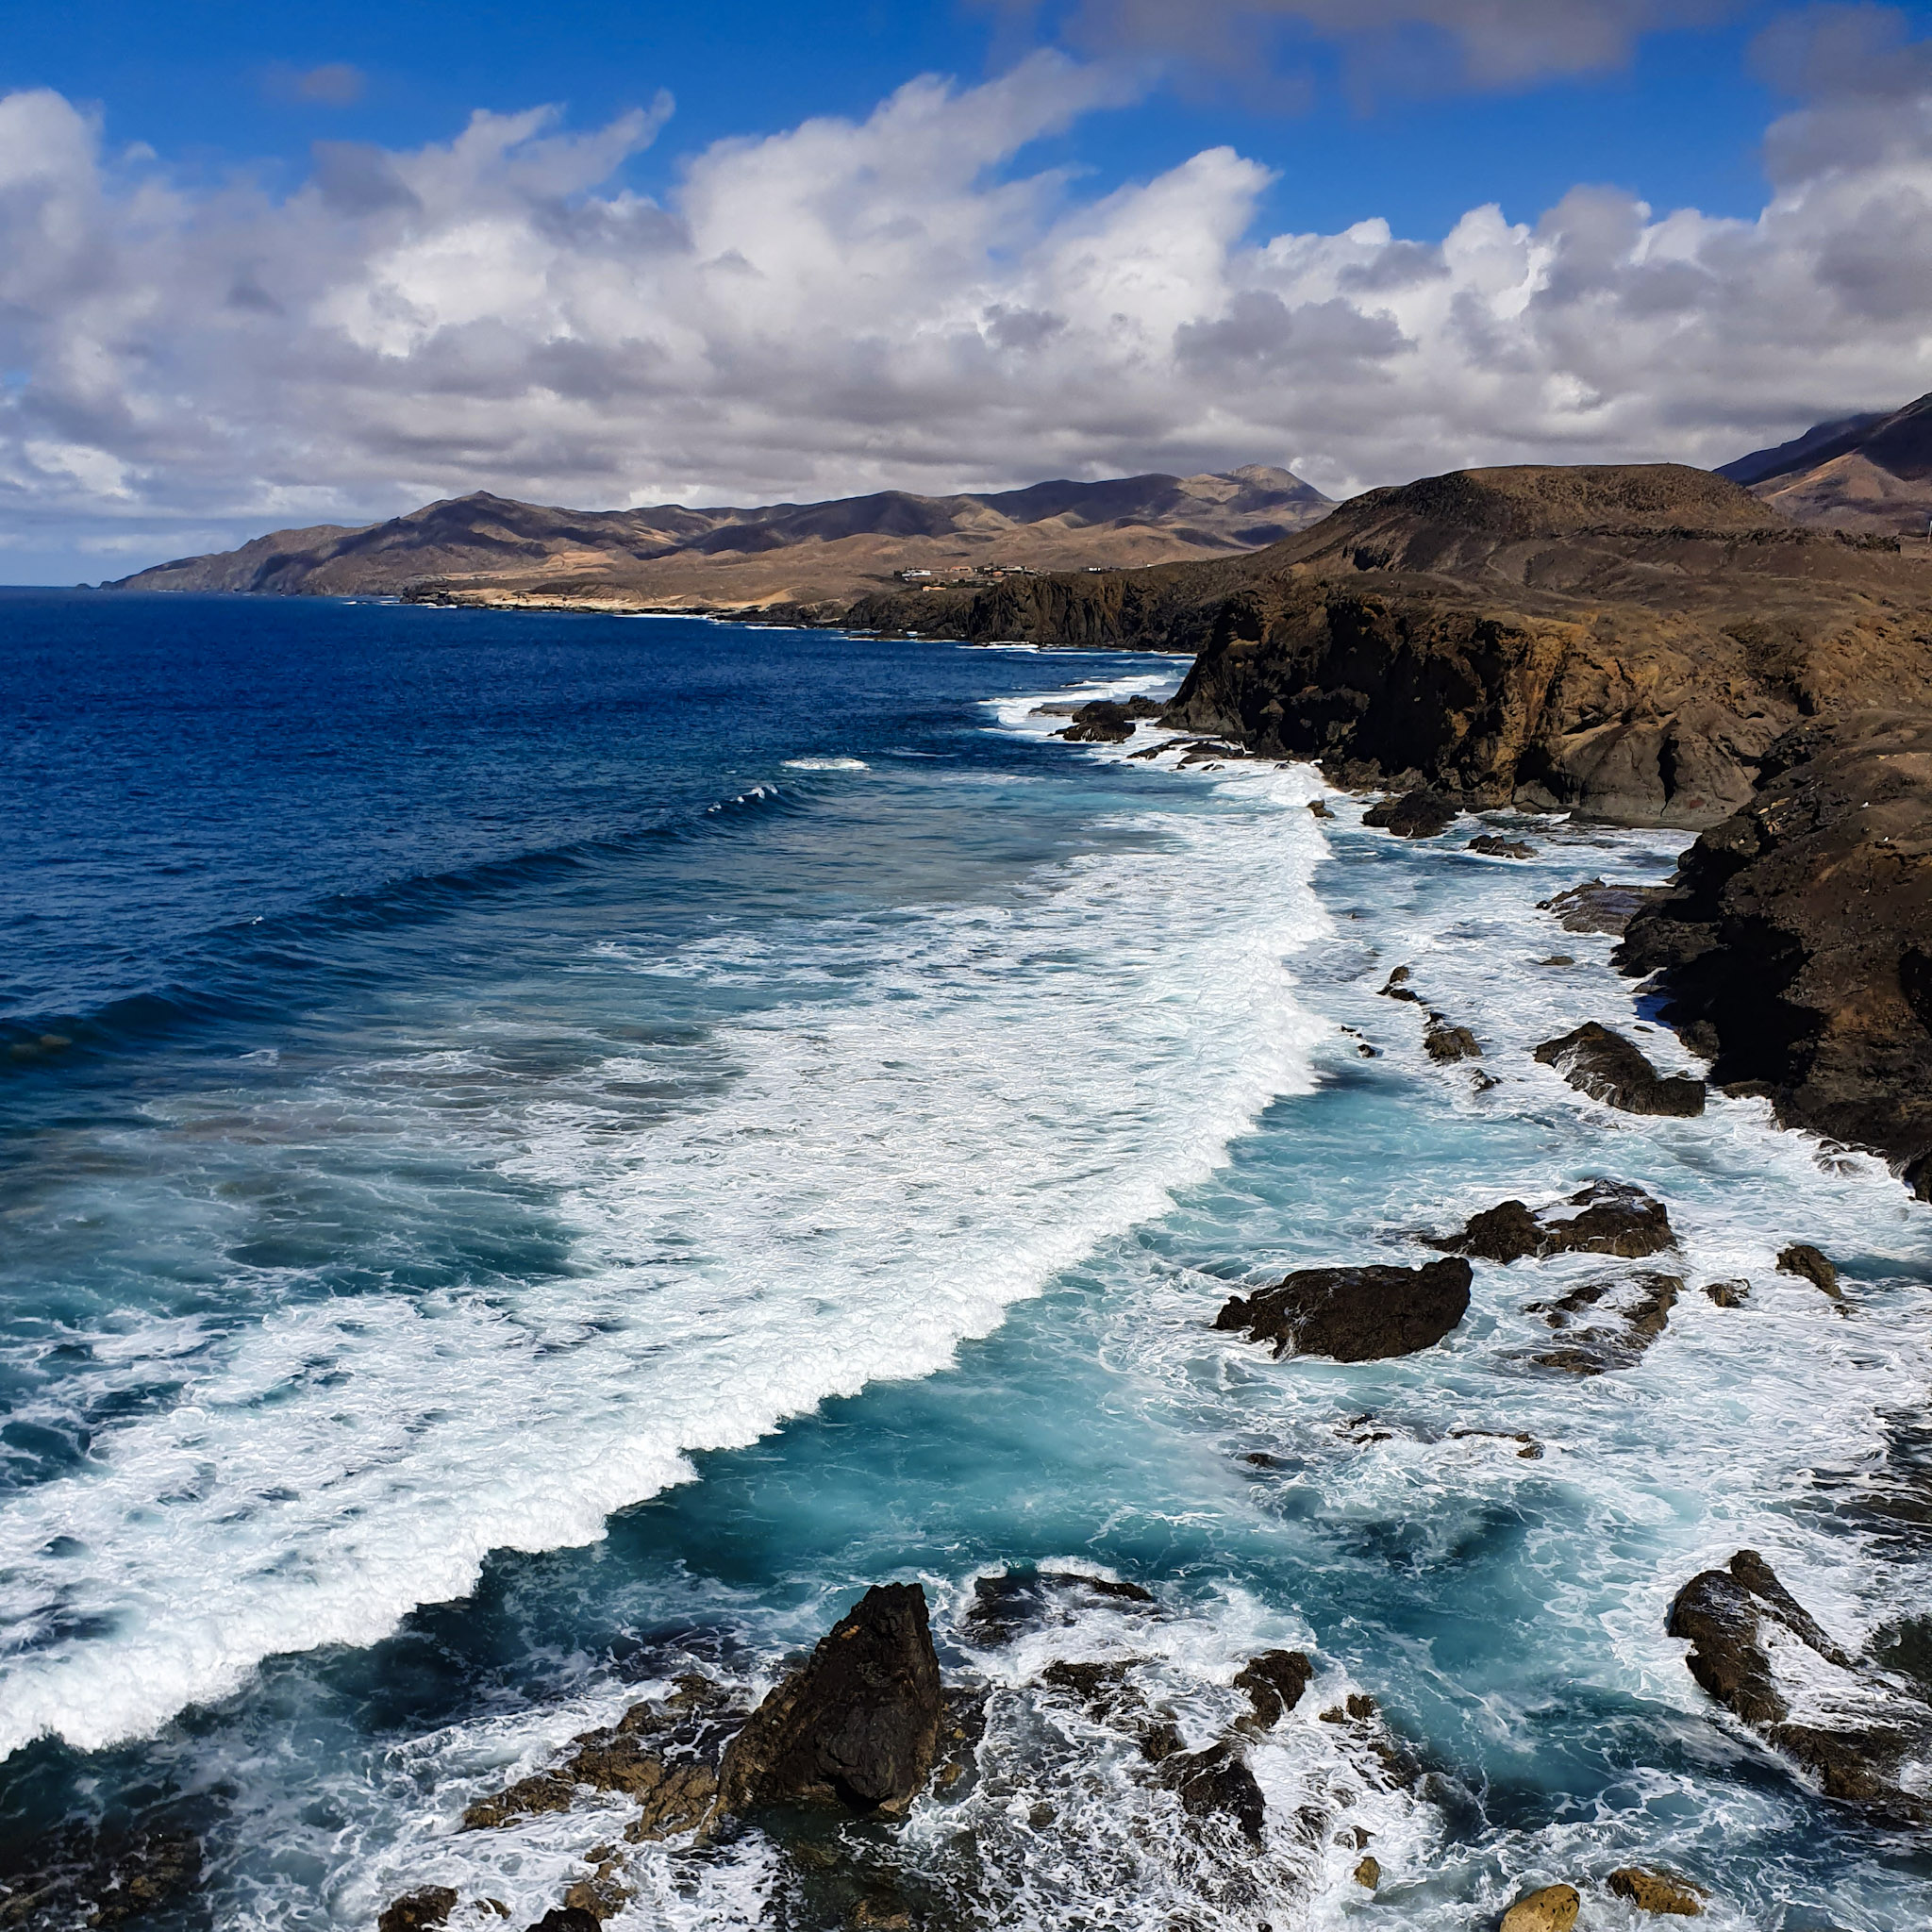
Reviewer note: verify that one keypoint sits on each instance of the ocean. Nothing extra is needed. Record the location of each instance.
(542, 1154)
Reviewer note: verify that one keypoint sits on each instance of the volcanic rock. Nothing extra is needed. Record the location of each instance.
(567, 1918)
(1217, 1780)
(1274, 1683)
(1354, 1314)
(418, 1911)
(1492, 846)
(1552, 1909)
(1004, 1605)
(1398, 987)
(1442, 1041)
(858, 1724)
(1728, 1295)
(1795, 946)
(1643, 1317)
(79, 1875)
(1608, 1068)
(1802, 1259)
(1615, 1219)
(1100, 723)
(1597, 905)
(1663, 1892)
(1415, 815)
(1864, 1739)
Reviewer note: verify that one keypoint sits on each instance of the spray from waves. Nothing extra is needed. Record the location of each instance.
(880, 1174)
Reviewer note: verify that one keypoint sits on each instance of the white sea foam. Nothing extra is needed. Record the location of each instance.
(868, 1181)
(826, 765)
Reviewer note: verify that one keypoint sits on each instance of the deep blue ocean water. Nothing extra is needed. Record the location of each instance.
(537, 1152)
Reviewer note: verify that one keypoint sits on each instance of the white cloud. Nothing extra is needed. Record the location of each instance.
(849, 306)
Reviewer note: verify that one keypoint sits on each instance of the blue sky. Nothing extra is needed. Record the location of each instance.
(263, 266)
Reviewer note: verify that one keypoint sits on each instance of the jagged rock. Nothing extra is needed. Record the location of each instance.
(1728, 1295)
(1802, 1259)
(1552, 1909)
(1442, 1041)
(1494, 847)
(1601, 906)
(1615, 1219)
(1397, 987)
(858, 1724)
(1369, 1874)
(1321, 808)
(1103, 722)
(567, 1918)
(1422, 814)
(1099, 1686)
(529, 1797)
(1609, 1068)
(1652, 1890)
(1217, 1780)
(1003, 1606)
(1864, 1739)
(1274, 1683)
(1643, 1320)
(418, 1911)
(1354, 1314)
(79, 1875)
(1796, 945)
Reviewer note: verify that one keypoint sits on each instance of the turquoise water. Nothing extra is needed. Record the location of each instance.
(584, 1143)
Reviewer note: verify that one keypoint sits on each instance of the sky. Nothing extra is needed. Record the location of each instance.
(273, 267)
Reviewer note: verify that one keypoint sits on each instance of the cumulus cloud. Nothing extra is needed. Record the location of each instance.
(1477, 42)
(335, 84)
(888, 302)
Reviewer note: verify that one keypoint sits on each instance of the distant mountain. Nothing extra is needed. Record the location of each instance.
(779, 553)
(1868, 472)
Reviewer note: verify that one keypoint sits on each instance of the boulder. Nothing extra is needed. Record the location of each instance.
(418, 1911)
(858, 1724)
(1614, 1219)
(1103, 722)
(1354, 1314)
(1642, 1309)
(1728, 1295)
(1441, 1041)
(1552, 1909)
(1609, 1068)
(1652, 1890)
(1601, 906)
(1422, 814)
(1761, 1655)
(1491, 846)
(1274, 1683)
(1396, 987)
(1369, 1873)
(1804, 1261)
(1321, 808)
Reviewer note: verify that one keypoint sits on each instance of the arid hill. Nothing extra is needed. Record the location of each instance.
(489, 548)
(1629, 642)
(1861, 473)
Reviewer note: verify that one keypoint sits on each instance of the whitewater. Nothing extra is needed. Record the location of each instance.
(721, 1153)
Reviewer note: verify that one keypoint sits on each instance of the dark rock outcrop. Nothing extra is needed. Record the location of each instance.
(1600, 906)
(1864, 1739)
(1492, 845)
(1354, 1314)
(1217, 1781)
(1795, 947)
(1613, 1219)
(1802, 1260)
(568, 1919)
(858, 1724)
(418, 1911)
(1274, 1683)
(1107, 722)
(1609, 1068)
(1018, 1600)
(1421, 814)
(1444, 1041)
(79, 1875)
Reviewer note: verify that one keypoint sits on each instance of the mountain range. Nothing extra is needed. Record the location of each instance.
(493, 548)
(1871, 473)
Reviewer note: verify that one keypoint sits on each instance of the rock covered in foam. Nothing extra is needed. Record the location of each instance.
(1609, 1068)
(1802, 1260)
(1640, 1310)
(1761, 1655)
(1354, 1314)
(1613, 1219)
(857, 1724)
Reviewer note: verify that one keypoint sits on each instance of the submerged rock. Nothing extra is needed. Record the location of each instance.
(858, 1724)
(1004, 1605)
(1806, 1262)
(1600, 906)
(1652, 1890)
(418, 1911)
(1492, 846)
(1552, 1909)
(1422, 814)
(1864, 1739)
(1614, 1219)
(78, 1876)
(1354, 1314)
(1642, 1320)
(1609, 1068)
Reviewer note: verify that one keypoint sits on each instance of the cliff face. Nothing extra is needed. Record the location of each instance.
(1796, 947)
(1623, 641)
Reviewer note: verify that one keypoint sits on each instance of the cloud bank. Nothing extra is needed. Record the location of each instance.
(847, 306)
